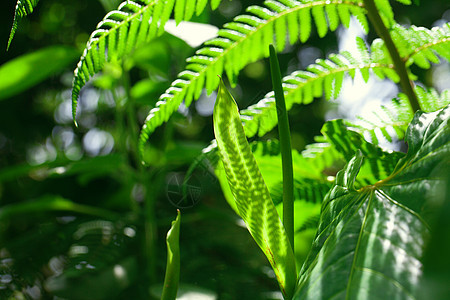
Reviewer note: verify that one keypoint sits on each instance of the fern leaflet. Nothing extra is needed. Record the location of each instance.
(423, 45)
(325, 77)
(23, 8)
(393, 119)
(121, 30)
(246, 40)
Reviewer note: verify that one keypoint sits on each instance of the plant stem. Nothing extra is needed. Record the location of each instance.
(399, 65)
(150, 234)
(144, 178)
(132, 121)
(285, 145)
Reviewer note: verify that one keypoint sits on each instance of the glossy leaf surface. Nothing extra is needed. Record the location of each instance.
(252, 197)
(370, 241)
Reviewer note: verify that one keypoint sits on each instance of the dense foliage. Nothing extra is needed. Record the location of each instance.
(96, 162)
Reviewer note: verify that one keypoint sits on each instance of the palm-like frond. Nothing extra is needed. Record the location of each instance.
(310, 223)
(417, 45)
(121, 30)
(308, 190)
(377, 164)
(424, 45)
(340, 141)
(393, 119)
(23, 8)
(246, 40)
(385, 10)
(321, 155)
(325, 77)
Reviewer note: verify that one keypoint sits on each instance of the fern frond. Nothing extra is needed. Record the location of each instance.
(386, 13)
(393, 119)
(323, 78)
(23, 8)
(308, 190)
(417, 45)
(425, 44)
(246, 40)
(122, 30)
(310, 223)
(321, 155)
(377, 164)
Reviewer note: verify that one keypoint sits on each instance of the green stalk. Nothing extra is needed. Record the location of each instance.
(285, 144)
(399, 64)
(133, 125)
(144, 177)
(172, 276)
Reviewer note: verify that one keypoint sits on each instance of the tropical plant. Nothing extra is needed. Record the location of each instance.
(352, 220)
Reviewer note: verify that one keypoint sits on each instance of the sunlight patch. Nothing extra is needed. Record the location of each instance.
(194, 34)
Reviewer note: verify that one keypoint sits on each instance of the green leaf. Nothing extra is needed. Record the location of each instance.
(52, 203)
(28, 70)
(133, 24)
(23, 8)
(285, 146)
(370, 241)
(310, 185)
(240, 42)
(377, 164)
(398, 114)
(320, 20)
(85, 169)
(250, 192)
(173, 261)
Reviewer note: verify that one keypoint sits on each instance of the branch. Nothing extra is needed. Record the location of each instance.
(382, 31)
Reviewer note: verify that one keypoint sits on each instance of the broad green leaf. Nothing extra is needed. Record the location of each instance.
(85, 169)
(310, 187)
(52, 203)
(250, 192)
(370, 241)
(28, 70)
(172, 277)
